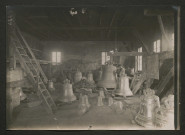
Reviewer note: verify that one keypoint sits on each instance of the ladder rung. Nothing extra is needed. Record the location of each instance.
(30, 66)
(24, 54)
(42, 90)
(15, 41)
(26, 61)
(32, 69)
(53, 105)
(51, 102)
(34, 75)
(20, 48)
(47, 97)
(40, 83)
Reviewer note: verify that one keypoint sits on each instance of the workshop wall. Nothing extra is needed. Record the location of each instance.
(85, 55)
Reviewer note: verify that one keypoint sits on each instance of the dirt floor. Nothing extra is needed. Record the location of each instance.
(67, 116)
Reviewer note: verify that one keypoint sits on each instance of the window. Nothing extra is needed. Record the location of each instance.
(138, 61)
(157, 46)
(56, 57)
(105, 58)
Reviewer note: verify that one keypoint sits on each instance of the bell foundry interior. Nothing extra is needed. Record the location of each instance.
(90, 68)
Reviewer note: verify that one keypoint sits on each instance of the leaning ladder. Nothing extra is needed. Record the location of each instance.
(32, 68)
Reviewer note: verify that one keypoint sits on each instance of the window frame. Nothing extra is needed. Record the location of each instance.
(104, 57)
(55, 60)
(157, 46)
(139, 61)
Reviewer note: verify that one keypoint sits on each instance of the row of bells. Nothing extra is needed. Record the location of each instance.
(78, 77)
(107, 79)
(67, 94)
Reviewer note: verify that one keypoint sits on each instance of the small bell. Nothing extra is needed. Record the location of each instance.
(168, 102)
(82, 105)
(101, 94)
(100, 102)
(118, 106)
(50, 86)
(110, 101)
(87, 101)
(164, 116)
(77, 76)
(90, 77)
(122, 71)
(67, 95)
(82, 101)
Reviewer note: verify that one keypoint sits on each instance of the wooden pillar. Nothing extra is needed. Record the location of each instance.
(12, 56)
(10, 30)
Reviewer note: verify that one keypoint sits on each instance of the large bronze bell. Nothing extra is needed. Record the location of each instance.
(67, 93)
(149, 102)
(123, 86)
(108, 79)
(77, 76)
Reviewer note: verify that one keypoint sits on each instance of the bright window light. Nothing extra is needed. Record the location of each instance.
(138, 61)
(56, 57)
(105, 58)
(157, 46)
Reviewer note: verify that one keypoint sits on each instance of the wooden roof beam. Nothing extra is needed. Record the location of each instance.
(100, 24)
(156, 12)
(68, 22)
(127, 54)
(67, 19)
(126, 17)
(141, 40)
(81, 25)
(32, 28)
(112, 20)
(87, 28)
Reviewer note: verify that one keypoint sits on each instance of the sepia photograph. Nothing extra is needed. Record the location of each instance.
(92, 67)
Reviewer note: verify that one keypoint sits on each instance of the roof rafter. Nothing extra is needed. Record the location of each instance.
(112, 20)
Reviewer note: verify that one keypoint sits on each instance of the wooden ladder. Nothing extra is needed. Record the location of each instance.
(33, 69)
